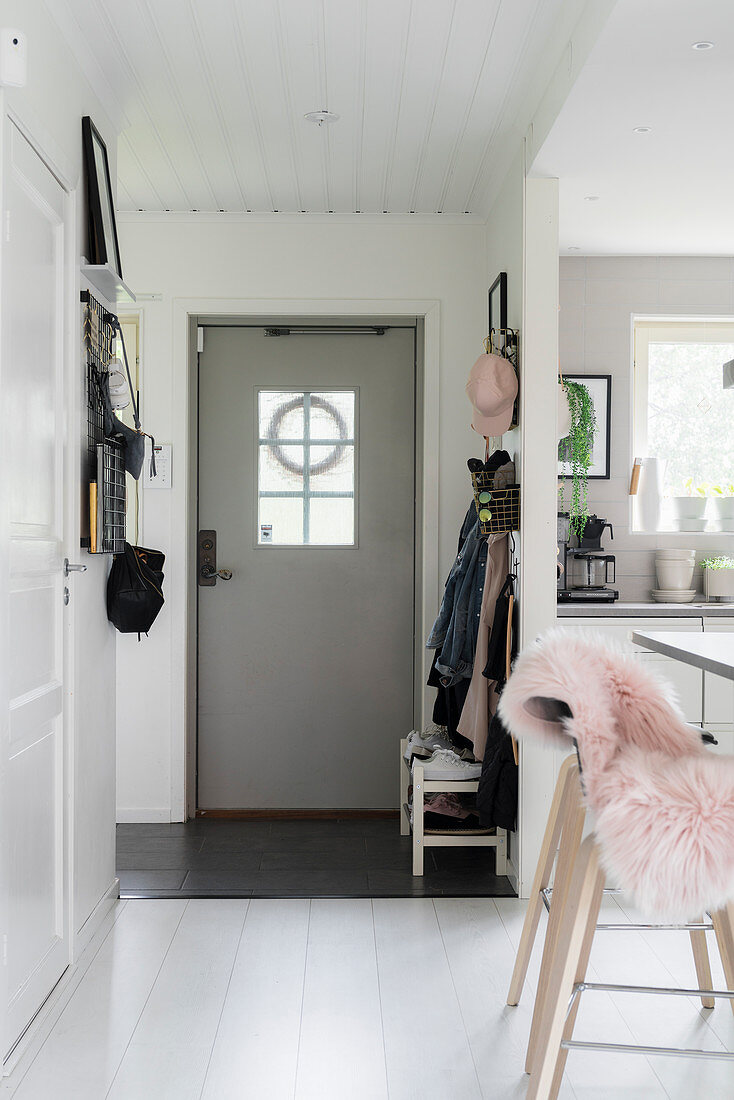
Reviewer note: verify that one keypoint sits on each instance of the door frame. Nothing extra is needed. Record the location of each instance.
(184, 411)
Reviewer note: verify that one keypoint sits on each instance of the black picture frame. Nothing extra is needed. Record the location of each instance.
(600, 391)
(497, 303)
(103, 246)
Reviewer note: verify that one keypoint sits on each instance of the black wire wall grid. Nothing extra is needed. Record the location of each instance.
(498, 509)
(105, 465)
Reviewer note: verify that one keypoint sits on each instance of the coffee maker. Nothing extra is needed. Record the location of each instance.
(586, 570)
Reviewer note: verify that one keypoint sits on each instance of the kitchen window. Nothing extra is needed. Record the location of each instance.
(683, 415)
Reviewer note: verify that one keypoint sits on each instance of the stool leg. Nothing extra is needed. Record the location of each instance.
(540, 881)
(569, 967)
(573, 1011)
(702, 964)
(723, 922)
(571, 833)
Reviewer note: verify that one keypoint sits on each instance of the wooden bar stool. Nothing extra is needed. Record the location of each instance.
(663, 819)
(560, 847)
(567, 974)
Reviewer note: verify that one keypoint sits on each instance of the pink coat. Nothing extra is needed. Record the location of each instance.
(663, 803)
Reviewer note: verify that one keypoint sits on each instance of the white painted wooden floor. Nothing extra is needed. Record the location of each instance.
(354, 1000)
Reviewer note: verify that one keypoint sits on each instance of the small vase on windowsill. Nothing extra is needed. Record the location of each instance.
(690, 513)
(649, 495)
(724, 511)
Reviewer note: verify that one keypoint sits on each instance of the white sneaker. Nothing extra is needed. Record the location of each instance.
(445, 764)
(426, 742)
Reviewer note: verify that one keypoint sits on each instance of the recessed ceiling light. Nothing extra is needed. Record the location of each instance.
(702, 45)
(591, 198)
(321, 117)
(641, 129)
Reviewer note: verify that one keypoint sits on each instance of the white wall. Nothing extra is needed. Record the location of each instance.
(522, 239)
(598, 296)
(50, 109)
(303, 259)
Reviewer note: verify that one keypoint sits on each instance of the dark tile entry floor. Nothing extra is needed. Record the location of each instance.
(282, 858)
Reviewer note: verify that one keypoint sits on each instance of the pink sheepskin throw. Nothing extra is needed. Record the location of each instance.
(663, 804)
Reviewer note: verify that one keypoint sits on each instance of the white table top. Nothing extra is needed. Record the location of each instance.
(711, 652)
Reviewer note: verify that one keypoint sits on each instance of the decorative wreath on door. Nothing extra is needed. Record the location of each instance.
(278, 451)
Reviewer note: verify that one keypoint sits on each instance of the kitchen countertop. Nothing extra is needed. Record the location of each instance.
(645, 610)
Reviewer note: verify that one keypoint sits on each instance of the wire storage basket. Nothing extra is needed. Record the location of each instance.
(498, 509)
(104, 468)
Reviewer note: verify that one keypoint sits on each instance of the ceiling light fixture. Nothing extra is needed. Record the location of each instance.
(702, 45)
(641, 129)
(321, 117)
(591, 198)
(574, 248)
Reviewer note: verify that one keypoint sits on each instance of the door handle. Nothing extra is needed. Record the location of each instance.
(69, 567)
(209, 574)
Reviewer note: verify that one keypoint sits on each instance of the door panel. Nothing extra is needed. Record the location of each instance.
(33, 395)
(305, 655)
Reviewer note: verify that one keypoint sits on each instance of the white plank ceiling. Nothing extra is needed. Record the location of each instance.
(211, 96)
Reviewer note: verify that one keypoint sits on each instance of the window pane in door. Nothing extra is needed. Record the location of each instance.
(332, 415)
(332, 521)
(332, 468)
(280, 414)
(281, 521)
(281, 468)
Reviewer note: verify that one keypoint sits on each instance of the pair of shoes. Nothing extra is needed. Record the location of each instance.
(447, 805)
(446, 764)
(424, 743)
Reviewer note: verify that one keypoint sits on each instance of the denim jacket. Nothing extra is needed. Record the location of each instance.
(455, 630)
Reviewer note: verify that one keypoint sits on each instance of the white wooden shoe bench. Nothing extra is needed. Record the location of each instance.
(421, 839)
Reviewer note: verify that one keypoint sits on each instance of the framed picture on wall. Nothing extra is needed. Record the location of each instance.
(103, 245)
(600, 391)
(497, 303)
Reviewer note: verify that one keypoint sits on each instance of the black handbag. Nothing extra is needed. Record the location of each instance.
(135, 589)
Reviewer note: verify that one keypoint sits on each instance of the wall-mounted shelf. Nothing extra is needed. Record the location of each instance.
(106, 280)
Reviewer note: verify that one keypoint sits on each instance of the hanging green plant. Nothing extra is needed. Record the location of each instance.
(577, 449)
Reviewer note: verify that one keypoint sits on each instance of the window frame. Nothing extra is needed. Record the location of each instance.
(306, 495)
(680, 330)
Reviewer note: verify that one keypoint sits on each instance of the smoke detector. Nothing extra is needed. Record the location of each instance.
(322, 117)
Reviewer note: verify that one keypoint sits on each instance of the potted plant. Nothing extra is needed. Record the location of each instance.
(718, 579)
(577, 449)
(723, 498)
(689, 507)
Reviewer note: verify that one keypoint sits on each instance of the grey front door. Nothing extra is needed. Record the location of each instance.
(306, 473)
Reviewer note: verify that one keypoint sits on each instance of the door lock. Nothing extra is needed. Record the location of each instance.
(207, 561)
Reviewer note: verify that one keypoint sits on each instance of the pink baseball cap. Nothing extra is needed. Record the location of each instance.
(492, 389)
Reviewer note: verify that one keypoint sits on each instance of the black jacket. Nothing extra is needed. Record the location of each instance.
(497, 794)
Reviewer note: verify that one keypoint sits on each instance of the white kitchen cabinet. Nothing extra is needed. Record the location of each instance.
(687, 681)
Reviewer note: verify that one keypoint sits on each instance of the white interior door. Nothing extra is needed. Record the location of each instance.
(307, 474)
(34, 843)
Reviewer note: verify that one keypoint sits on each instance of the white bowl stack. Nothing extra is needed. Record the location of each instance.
(674, 570)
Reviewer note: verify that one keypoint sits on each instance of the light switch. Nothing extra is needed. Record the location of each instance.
(162, 480)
